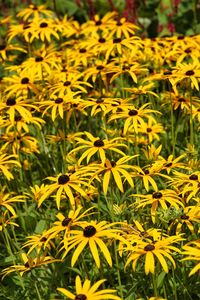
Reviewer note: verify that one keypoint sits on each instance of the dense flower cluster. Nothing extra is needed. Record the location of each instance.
(98, 139)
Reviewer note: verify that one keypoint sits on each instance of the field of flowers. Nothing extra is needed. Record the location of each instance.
(99, 159)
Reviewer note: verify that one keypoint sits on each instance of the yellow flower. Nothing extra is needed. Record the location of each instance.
(43, 29)
(97, 145)
(92, 234)
(15, 142)
(15, 107)
(189, 71)
(118, 169)
(161, 197)
(20, 84)
(133, 116)
(42, 63)
(87, 292)
(7, 48)
(160, 249)
(63, 183)
(38, 242)
(5, 161)
(65, 223)
(29, 264)
(34, 12)
(8, 199)
(192, 250)
(187, 219)
(6, 220)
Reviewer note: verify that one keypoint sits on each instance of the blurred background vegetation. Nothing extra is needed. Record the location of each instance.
(155, 17)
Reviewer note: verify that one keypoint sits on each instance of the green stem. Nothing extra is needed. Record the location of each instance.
(154, 285)
(118, 271)
(191, 120)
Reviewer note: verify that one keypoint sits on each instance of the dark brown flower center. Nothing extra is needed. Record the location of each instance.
(89, 231)
(62, 179)
(27, 264)
(146, 172)
(157, 195)
(133, 112)
(168, 164)
(119, 23)
(184, 217)
(66, 221)
(113, 163)
(2, 47)
(26, 26)
(38, 58)
(102, 40)
(98, 23)
(99, 143)
(43, 239)
(188, 50)
(25, 80)
(100, 68)
(193, 177)
(82, 50)
(181, 99)
(125, 67)
(149, 247)
(189, 73)
(18, 118)
(149, 129)
(67, 83)
(117, 40)
(80, 297)
(59, 100)
(11, 101)
(167, 73)
(43, 25)
(99, 100)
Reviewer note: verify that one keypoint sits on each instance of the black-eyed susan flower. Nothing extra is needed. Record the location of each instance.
(7, 48)
(16, 142)
(29, 263)
(172, 163)
(42, 29)
(189, 71)
(133, 116)
(92, 234)
(192, 250)
(92, 27)
(147, 174)
(150, 130)
(44, 61)
(69, 85)
(7, 200)
(20, 84)
(6, 163)
(17, 106)
(122, 27)
(66, 222)
(34, 12)
(132, 70)
(119, 170)
(97, 145)
(187, 218)
(6, 220)
(161, 250)
(58, 105)
(63, 183)
(162, 197)
(38, 242)
(87, 292)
